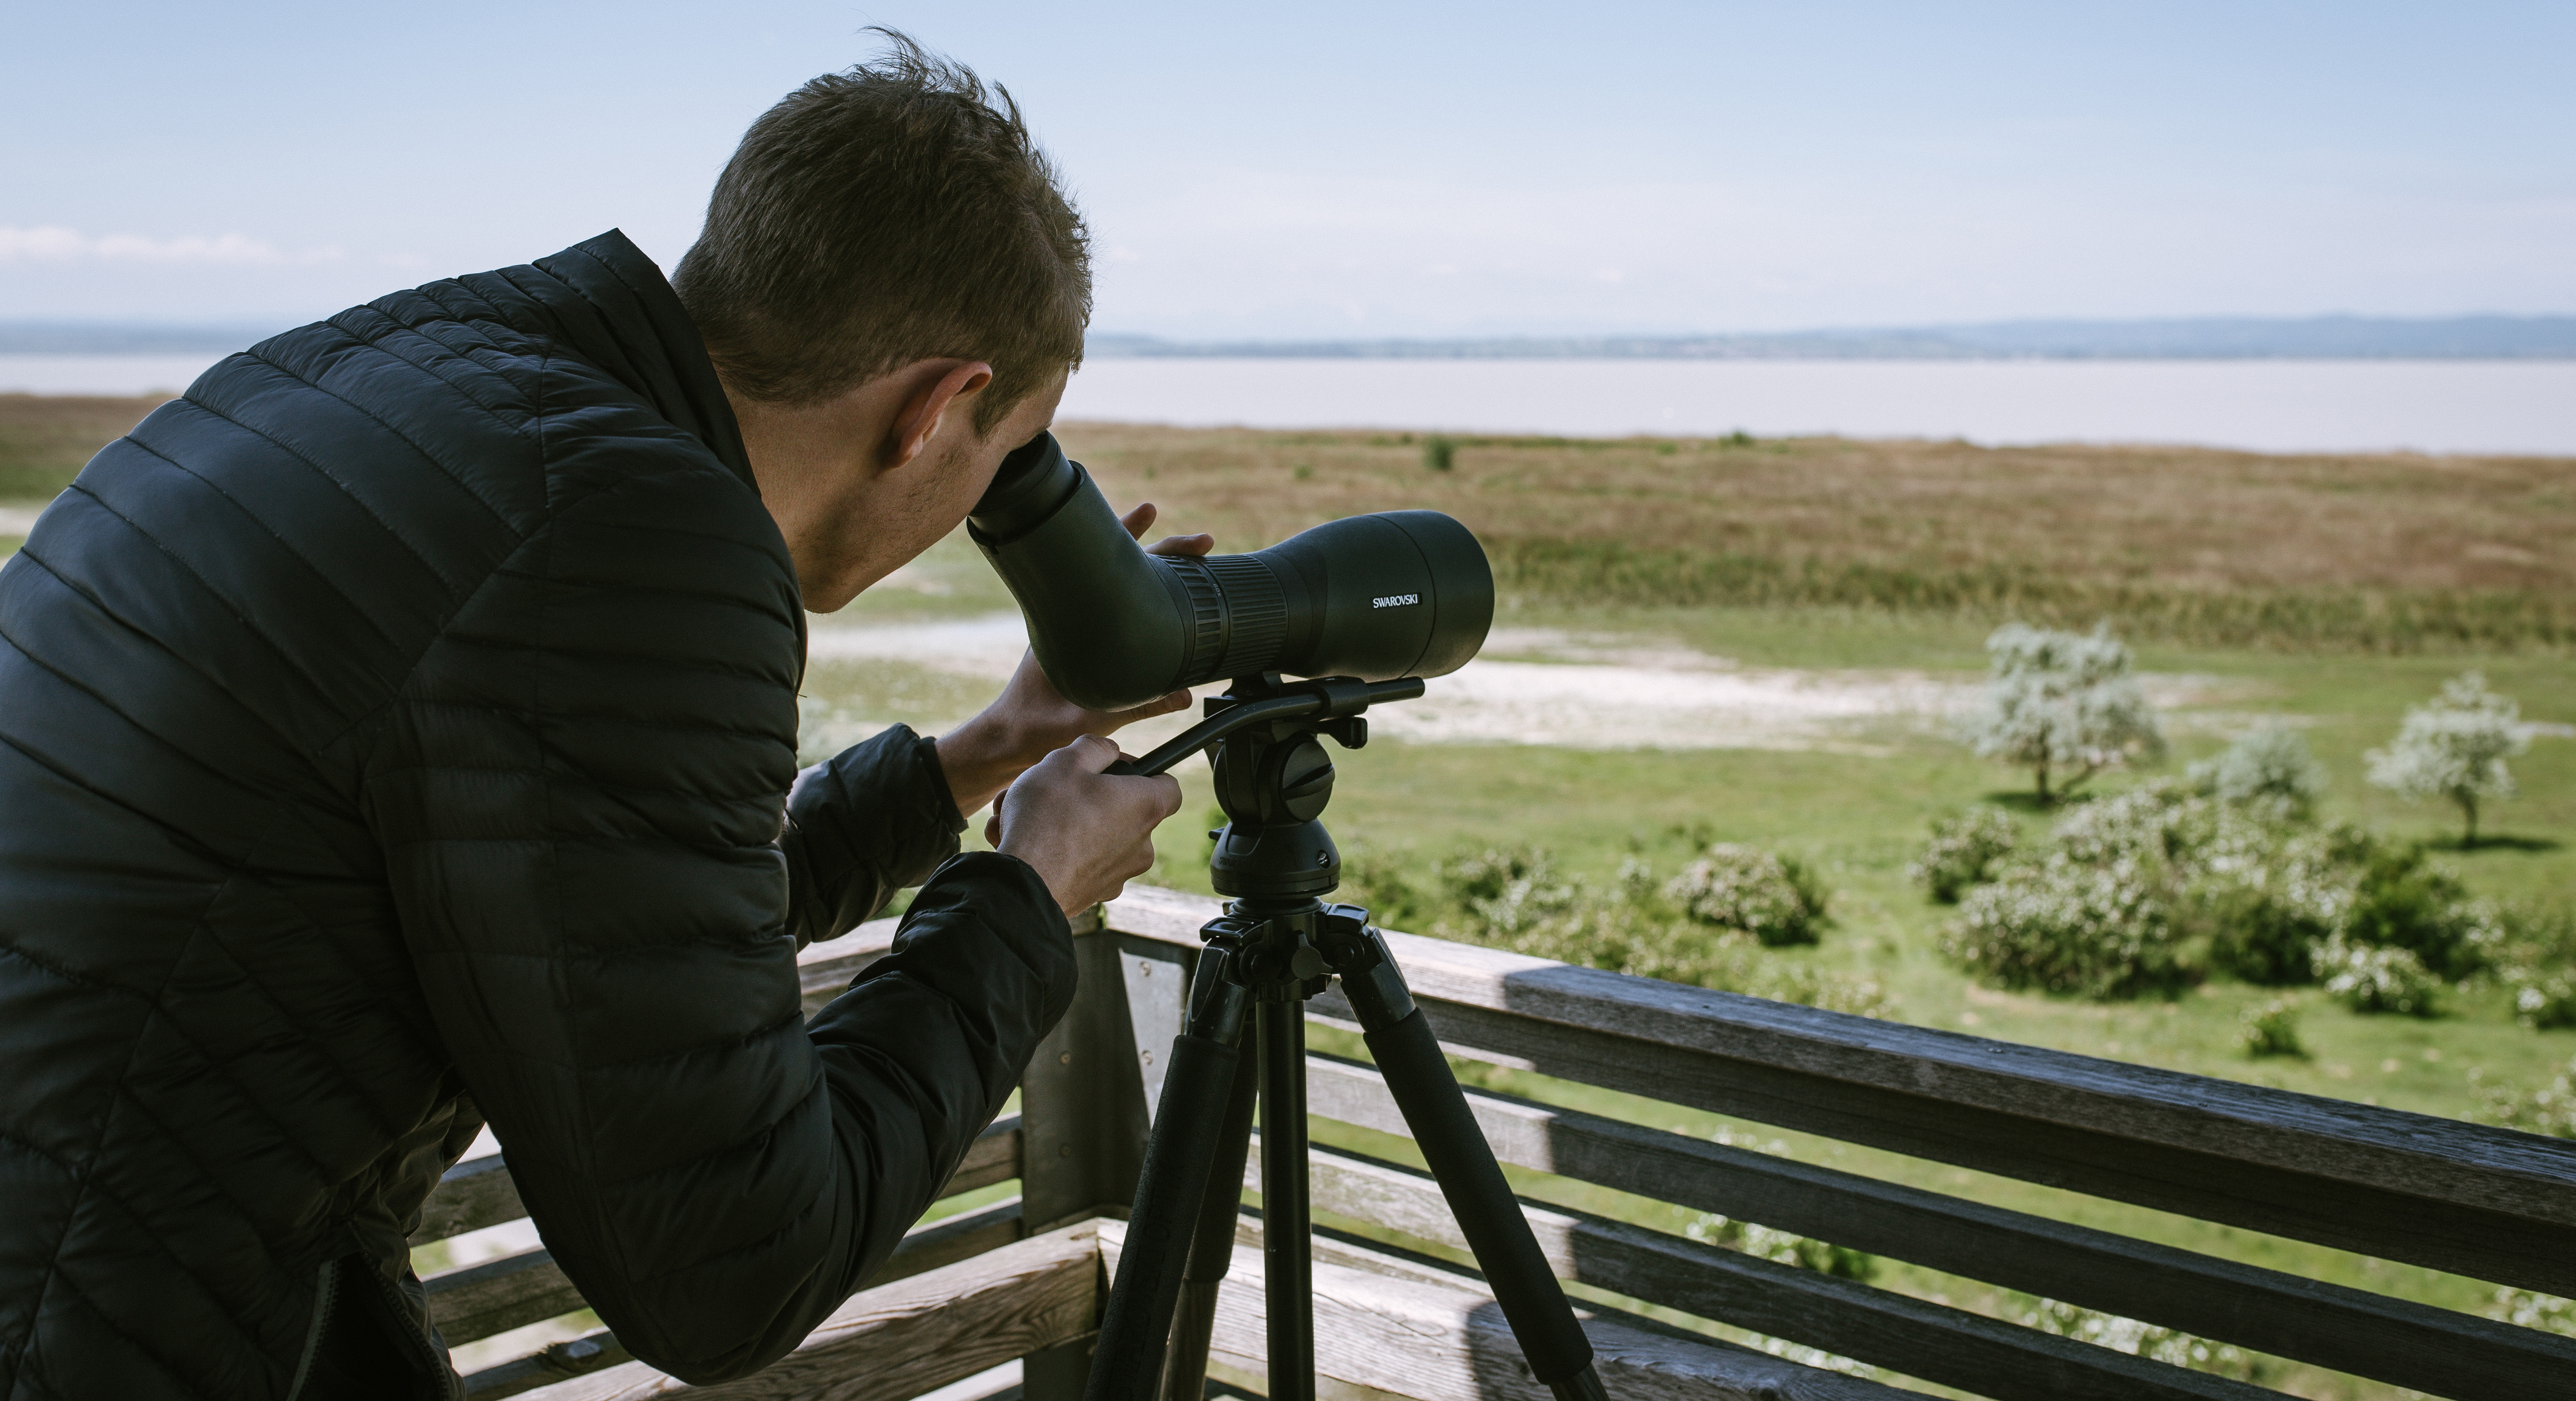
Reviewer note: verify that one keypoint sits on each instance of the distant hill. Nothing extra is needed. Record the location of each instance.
(2195, 338)
(124, 338)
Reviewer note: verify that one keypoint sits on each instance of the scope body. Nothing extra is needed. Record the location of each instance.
(1396, 593)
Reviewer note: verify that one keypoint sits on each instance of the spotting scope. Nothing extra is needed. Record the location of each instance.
(1377, 597)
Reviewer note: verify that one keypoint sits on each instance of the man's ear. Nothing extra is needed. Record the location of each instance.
(917, 422)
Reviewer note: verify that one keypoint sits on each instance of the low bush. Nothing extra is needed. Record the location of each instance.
(2548, 1000)
(2369, 979)
(2536, 958)
(2550, 1109)
(1386, 886)
(2139, 1339)
(1962, 851)
(2270, 1029)
(1782, 1248)
(2525, 1308)
(2404, 902)
(2161, 886)
(2095, 931)
(1773, 898)
(1702, 927)
(2266, 903)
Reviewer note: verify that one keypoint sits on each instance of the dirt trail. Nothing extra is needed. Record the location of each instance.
(1537, 686)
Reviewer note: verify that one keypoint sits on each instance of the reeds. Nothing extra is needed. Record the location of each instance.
(2358, 619)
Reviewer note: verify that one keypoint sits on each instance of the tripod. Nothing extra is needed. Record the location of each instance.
(1277, 945)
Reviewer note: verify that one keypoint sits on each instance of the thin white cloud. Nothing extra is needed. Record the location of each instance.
(57, 243)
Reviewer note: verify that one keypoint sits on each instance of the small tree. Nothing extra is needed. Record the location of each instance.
(2062, 700)
(2269, 770)
(2455, 748)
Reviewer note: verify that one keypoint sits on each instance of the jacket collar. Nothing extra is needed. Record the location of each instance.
(613, 305)
(620, 313)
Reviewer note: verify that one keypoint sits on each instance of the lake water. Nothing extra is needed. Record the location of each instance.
(2270, 405)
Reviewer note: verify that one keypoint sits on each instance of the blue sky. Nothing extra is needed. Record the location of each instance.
(1379, 169)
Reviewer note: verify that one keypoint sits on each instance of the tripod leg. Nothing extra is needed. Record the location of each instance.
(1126, 1362)
(1212, 1242)
(1287, 1266)
(1409, 1057)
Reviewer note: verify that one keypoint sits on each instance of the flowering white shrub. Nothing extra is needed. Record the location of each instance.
(2269, 770)
(2374, 979)
(1747, 888)
(2551, 1109)
(1962, 851)
(2454, 747)
(2062, 701)
(1781, 1247)
(2545, 1000)
(2524, 1308)
(2270, 1029)
(2067, 926)
(2139, 1339)
(1516, 899)
(2159, 886)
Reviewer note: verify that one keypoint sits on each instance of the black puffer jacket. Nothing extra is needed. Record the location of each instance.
(395, 733)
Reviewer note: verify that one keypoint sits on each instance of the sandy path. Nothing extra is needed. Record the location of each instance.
(1539, 687)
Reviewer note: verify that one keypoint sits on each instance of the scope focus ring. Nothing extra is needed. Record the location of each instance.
(1255, 618)
(1206, 641)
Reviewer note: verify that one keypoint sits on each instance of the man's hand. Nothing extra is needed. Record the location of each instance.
(1031, 719)
(1083, 831)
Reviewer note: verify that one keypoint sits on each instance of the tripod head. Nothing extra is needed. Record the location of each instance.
(1273, 777)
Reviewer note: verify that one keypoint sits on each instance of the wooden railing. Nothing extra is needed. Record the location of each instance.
(1023, 1278)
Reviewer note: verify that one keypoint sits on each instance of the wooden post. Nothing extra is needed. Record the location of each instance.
(1083, 1109)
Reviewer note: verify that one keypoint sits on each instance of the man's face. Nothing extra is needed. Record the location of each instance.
(950, 476)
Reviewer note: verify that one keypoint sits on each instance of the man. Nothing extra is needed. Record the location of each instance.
(397, 733)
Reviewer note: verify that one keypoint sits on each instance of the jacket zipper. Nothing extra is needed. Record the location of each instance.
(326, 1292)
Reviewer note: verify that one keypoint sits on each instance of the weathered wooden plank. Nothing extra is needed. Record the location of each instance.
(1920, 1339)
(993, 1157)
(1380, 1257)
(574, 1357)
(904, 1338)
(474, 1194)
(499, 1295)
(950, 1239)
(2350, 1330)
(514, 1291)
(2490, 1203)
(824, 970)
(478, 1192)
(1397, 1334)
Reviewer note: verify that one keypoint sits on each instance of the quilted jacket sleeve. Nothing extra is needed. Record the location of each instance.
(862, 825)
(579, 796)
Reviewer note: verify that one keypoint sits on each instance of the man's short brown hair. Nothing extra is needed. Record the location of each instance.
(884, 215)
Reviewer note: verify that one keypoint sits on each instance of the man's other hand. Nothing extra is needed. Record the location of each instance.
(1032, 719)
(1083, 831)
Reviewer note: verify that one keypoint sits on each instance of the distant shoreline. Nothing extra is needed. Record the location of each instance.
(2198, 338)
(2479, 337)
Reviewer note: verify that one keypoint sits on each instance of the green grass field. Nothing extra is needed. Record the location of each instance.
(2330, 593)
(1859, 816)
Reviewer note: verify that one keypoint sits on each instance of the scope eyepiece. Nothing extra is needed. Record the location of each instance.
(1397, 593)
